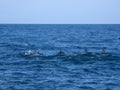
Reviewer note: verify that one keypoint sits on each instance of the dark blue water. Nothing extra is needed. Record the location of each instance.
(72, 71)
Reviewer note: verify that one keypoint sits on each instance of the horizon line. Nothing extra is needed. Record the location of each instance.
(64, 23)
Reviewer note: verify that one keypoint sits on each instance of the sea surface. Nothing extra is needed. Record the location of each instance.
(21, 70)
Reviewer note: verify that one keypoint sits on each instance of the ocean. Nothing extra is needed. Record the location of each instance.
(23, 68)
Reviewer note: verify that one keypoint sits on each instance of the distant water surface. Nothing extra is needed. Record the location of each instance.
(50, 72)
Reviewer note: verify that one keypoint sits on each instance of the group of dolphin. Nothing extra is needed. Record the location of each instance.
(62, 53)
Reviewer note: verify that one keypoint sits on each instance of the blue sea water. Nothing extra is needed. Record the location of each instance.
(73, 71)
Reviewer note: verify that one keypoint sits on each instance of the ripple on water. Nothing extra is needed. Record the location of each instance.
(73, 71)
